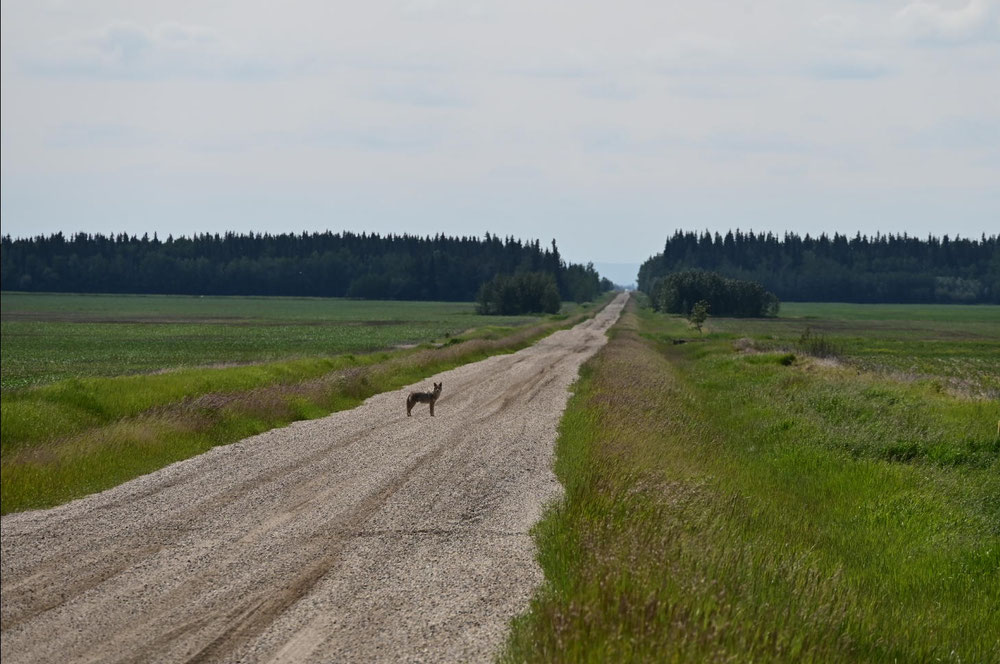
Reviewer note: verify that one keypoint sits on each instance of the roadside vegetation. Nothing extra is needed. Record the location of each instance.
(75, 436)
(727, 500)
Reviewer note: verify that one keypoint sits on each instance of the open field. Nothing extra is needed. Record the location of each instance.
(50, 337)
(956, 347)
(70, 437)
(726, 502)
(947, 313)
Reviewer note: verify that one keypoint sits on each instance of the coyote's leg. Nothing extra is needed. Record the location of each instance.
(409, 406)
(432, 409)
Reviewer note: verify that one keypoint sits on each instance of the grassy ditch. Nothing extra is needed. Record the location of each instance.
(82, 435)
(728, 506)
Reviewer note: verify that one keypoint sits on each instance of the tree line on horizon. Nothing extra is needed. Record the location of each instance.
(357, 265)
(879, 269)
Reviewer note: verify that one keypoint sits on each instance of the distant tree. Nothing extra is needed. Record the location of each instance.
(699, 312)
(582, 283)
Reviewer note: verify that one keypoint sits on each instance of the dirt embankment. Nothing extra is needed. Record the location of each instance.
(362, 536)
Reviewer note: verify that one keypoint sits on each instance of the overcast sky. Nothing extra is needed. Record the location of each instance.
(604, 125)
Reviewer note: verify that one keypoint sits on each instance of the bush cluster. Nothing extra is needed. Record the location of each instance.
(526, 292)
(678, 293)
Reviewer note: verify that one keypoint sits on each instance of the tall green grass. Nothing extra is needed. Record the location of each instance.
(77, 404)
(726, 506)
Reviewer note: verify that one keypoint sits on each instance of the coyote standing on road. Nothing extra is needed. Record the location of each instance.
(423, 397)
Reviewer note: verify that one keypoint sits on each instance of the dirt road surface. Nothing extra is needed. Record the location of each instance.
(362, 536)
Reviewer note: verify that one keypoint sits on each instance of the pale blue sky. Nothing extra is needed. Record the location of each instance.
(604, 125)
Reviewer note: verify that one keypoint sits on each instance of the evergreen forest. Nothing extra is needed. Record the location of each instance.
(365, 265)
(882, 268)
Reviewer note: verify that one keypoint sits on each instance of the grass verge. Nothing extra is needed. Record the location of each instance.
(732, 507)
(76, 437)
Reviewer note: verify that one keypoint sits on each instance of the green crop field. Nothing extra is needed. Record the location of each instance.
(731, 496)
(49, 337)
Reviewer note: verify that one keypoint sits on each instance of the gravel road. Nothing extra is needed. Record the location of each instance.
(361, 536)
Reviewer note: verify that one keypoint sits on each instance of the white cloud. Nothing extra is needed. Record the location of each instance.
(610, 88)
(127, 49)
(761, 143)
(838, 27)
(185, 36)
(975, 134)
(103, 135)
(432, 9)
(849, 66)
(693, 52)
(517, 107)
(425, 94)
(930, 23)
